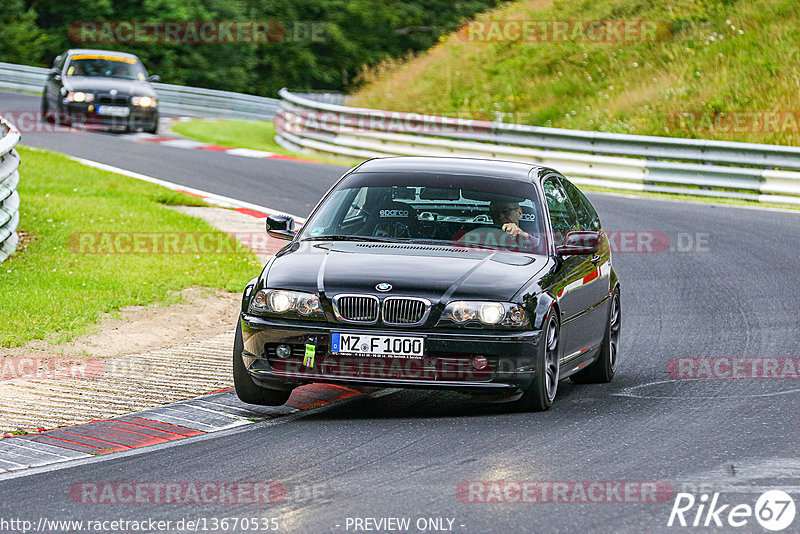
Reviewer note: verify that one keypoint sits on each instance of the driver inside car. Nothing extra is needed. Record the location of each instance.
(506, 215)
(504, 231)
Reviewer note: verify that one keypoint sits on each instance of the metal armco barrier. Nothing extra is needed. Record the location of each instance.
(750, 171)
(173, 99)
(9, 198)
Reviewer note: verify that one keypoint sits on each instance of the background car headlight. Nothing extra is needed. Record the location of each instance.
(278, 301)
(144, 101)
(481, 313)
(79, 96)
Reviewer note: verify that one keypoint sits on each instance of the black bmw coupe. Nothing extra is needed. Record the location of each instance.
(100, 88)
(486, 277)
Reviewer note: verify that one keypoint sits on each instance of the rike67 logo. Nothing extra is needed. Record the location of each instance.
(774, 510)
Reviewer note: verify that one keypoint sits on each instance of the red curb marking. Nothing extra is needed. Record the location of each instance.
(327, 387)
(223, 390)
(141, 431)
(252, 213)
(220, 148)
(66, 444)
(122, 437)
(189, 193)
(290, 158)
(347, 392)
(158, 425)
(85, 440)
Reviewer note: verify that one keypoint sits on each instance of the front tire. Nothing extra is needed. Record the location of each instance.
(46, 115)
(247, 390)
(540, 394)
(603, 369)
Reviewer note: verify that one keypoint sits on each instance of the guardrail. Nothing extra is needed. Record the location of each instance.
(750, 171)
(9, 198)
(173, 99)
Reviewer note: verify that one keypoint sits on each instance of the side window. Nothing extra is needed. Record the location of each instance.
(587, 216)
(562, 214)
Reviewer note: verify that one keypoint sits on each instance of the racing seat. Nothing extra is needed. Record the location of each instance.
(391, 219)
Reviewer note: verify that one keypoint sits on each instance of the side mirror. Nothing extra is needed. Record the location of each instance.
(55, 73)
(580, 243)
(280, 227)
(154, 78)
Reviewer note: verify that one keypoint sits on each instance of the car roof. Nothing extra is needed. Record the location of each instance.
(465, 166)
(74, 51)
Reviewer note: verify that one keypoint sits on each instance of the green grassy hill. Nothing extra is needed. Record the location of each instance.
(718, 69)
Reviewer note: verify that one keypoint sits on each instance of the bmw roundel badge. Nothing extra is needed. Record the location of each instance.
(383, 286)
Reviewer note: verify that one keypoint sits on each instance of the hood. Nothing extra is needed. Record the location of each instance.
(95, 84)
(432, 272)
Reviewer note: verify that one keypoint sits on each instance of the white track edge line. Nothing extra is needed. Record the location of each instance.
(211, 197)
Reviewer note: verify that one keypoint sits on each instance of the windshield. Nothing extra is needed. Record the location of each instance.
(106, 66)
(476, 212)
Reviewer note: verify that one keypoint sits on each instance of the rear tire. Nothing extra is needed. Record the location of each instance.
(602, 370)
(540, 394)
(247, 390)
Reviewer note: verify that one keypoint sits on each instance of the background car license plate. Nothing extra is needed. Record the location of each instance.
(367, 345)
(113, 111)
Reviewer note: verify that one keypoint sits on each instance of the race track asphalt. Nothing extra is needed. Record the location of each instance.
(733, 293)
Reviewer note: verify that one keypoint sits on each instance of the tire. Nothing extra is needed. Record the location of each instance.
(602, 370)
(247, 390)
(540, 394)
(46, 115)
(153, 129)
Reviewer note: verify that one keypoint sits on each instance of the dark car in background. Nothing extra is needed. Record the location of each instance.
(485, 277)
(101, 88)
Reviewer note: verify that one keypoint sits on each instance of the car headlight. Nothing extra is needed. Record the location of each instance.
(79, 96)
(278, 301)
(144, 101)
(482, 313)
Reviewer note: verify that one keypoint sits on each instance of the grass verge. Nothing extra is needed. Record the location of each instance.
(74, 263)
(720, 69)
(256, 135)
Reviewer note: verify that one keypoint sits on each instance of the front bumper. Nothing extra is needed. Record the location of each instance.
(447, 363)
(86, 114)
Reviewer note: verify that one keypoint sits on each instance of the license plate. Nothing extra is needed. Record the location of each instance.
(377, 346)
(113, 111)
